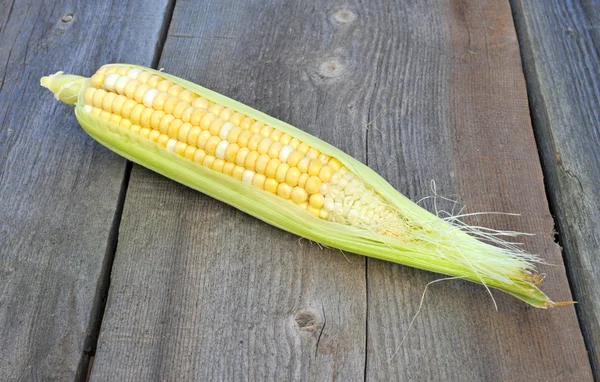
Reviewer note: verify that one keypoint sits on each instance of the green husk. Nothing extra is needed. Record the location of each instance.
(430, 243)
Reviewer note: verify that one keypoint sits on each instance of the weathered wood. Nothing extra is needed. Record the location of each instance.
(560, 43)
(450, 79)
(58, 189)
(202, 291)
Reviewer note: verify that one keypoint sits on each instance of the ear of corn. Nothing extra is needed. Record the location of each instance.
(281, 175)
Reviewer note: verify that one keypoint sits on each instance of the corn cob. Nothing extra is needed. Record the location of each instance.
(281, 175)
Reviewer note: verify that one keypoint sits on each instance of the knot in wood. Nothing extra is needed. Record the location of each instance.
(307, 320)
(331, 68)
(344, 16)
(67, 18)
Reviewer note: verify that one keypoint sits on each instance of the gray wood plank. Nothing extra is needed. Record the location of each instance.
(560, 42)
(58, 189)
(450, 80)
(201, 291)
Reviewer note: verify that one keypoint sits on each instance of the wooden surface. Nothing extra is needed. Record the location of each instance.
(201, 290)
(561, 41)
(59, 190)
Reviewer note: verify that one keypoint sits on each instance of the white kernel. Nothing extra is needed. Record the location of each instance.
(220, 150)
(328, 204)
(342, 183)
(348, 201)
(324, 188)
(352, 215)
(338, 208)
(110, 81)
(88, 108)
(366, 198)
(285, 153)
(247, 176)
(121, 83)
(171, 144)
(225, 130)
(133, 73)
(349, 176)
(149, 97)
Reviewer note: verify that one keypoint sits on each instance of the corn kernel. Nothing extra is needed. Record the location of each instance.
(202, 139)
(240, 158)
(164, 123)
(207, 120)
(272, 167)
(284, 190)
(211, 145)
(282, 170)
(271, 185)
(184, 130)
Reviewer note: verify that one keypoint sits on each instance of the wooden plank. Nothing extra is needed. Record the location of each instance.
(58, 189)
(560, 44)
(451, 84)
(201, 291)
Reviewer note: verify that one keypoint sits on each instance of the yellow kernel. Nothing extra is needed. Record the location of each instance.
(107, 101)
(303, 148)
(244, 137)
(173, 130)
(323, 214)
(238, 172)
(163, 126)
(207, 120)
(299, 195)
(292, 175)
(159, 101)
(266, 131)
(154, 134)
(314, 167)
(218, 165)
(215, 126)
(302, 179)
(271, 185)
(313, 184)
(313, 210)
(118, 103)
(211, 145)
(154, 80)
(334, 164)
(193, 135)
(180, 148)
(228, 168)
(326, 173)
(240, 158)
(135, 129)
(170, 104)
(303, 164)
(115, 119)
(284, 190)
(199, 156)
(215, 109)
(189, 152)
(145, 117)
(88, 96)
(246, 123)
(196, 117)
(184, 130)
(136, 113)
(202, 138)
(96, 111)
(317, 200)
(102, 70)
(186, 116)
(294, 158)
(250, 162)
(179, 108)
(175, 90)
(264, 145)
(231, 152)
(98, 96)
(97, 80)
(143, 77)
(155, 118)
(131, 87)
(233, 134)
(285, 139)
(256, 127)
(294, 142)
(110, 69)
(226, 113)
(259, 181)
(282, 170)
(312, 153)
(254, 141)
(324, 158)
(186, 96)
(208, 161)
(122, 70)
(236, 118)
(128, 108)
(164, 85)
(162, 140)
(275, 135)
(261, 163)
(272, 167)
(125, 124)
(141, 90)
(200, 103)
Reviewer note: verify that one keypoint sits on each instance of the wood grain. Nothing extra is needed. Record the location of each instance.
(58, 189)
(202, 291)
(560, 42)
(451, 79)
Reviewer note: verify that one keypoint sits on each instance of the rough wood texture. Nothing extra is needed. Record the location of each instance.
(420, 90)
(452, 83)
(58, 189)
(560, 42)
(202, 291)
